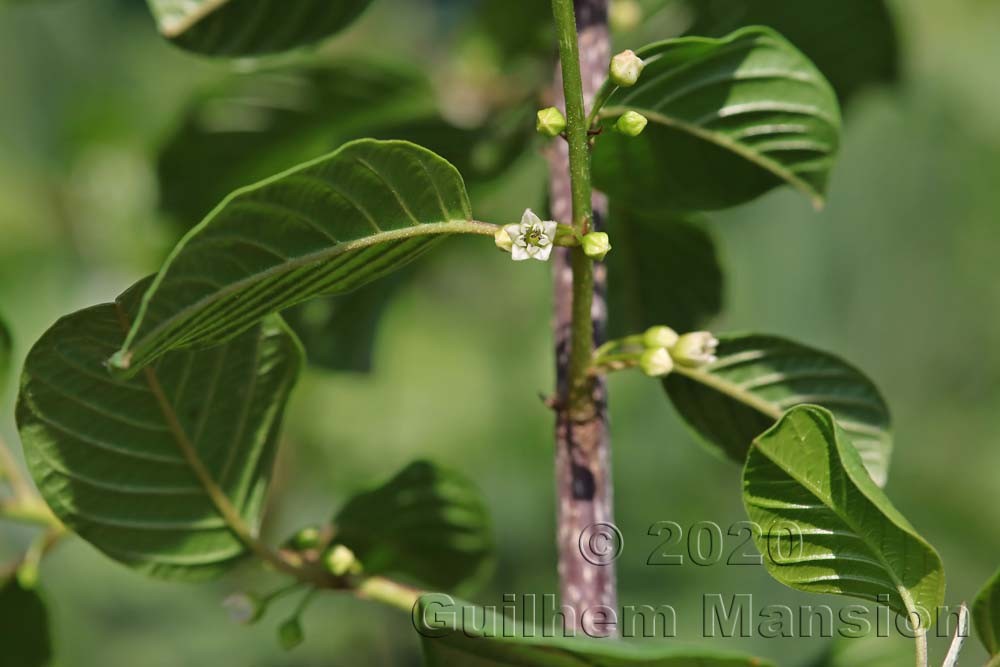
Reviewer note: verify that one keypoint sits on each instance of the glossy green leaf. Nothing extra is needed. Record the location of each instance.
(457, 633)
(853, 42)
(132, 465)
(661, 270)
(757, 378)
(251, 27)
(428, 524)
(324, 228)
(826, 526)
(729, 119)
(986, 614)
(258, 123)
(24, 626)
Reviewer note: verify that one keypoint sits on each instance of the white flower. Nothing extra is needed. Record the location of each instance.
(695, 349)
(532, 238)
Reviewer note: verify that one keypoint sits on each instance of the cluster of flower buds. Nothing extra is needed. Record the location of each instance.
(665, 348)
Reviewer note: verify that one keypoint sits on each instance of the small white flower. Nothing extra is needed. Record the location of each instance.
(695, 349)
(532, 238)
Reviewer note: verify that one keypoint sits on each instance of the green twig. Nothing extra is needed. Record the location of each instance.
(580, 399)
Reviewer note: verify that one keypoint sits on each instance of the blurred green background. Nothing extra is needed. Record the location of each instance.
(898, 275)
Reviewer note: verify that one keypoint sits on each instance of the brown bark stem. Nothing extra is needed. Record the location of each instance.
(585, 519)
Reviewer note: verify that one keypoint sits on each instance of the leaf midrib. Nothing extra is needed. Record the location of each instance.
(725, 142)
(806, 484)
(731, 390)
(122, 359)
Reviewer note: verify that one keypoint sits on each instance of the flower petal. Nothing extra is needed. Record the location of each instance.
(550, 227)
(542, 254)
(519, 253)
(529, 218)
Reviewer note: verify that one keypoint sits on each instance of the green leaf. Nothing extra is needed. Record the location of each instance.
(456, 633)
(729, 119)
(251, 27)
(163, 471)
(756, 378)
(853, 42)
(338, 333)
(986, 614)
(257, 124)
(661, 270)
(428, 523)
(325, 228)
(24, 622)
(826, 526)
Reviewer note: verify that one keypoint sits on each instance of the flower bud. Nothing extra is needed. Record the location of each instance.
(631, 124)
(290, 634)
(243, 608)
(656, 362)
(307, 538)
(503, 240)
(551, 122)
(626, 68)
(340, 561)
(659, 337)
(695, 349)
(596, 245)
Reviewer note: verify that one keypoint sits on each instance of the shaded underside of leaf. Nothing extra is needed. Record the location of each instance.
(324, 228)
(826, 526)
(249, 27)
(853, 42)
(986, 614)
(24, 624)
(663, 270)
(756, 378)
(455, 632)
(428, 524)
(108, 454)
(730, 119)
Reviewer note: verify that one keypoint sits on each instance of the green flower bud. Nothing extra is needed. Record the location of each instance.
(659, 337)
(340, 561)
(695, 349)
(503, 240)
(290, 634)
(626, 68)
(307, 538)
(244, 608)
(656, 362)
(596, 245)
(551, 122)
(631, 124)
